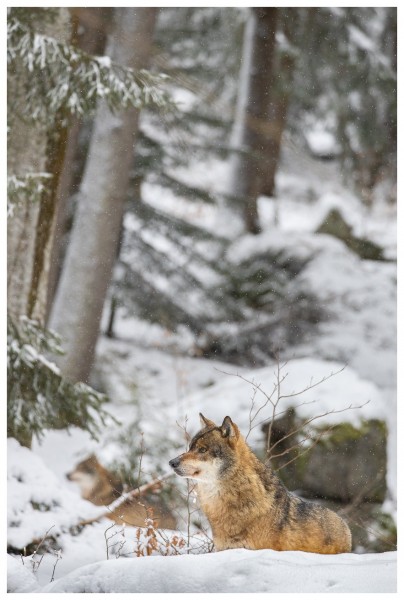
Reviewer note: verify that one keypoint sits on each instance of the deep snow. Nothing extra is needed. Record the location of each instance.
(236, 571)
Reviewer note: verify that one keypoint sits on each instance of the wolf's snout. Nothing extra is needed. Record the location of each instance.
(174, 463)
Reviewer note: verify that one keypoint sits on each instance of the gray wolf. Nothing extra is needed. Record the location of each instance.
(246, 503)
(102, 487)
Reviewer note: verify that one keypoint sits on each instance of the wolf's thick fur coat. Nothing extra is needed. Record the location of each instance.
(246, 503)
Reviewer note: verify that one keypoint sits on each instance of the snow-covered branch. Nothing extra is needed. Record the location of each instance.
(63, 79)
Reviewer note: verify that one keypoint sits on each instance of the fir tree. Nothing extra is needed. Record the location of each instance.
(49, 81)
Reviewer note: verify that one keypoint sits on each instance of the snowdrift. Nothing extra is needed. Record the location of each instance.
(230, 571)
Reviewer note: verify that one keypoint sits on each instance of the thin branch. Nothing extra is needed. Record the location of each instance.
(316, 441)
(282, 412)
(376, 534)
(311, 419)
(313, 385)
(372, 485)
(58, 558)
(35, 563)
(107, 539)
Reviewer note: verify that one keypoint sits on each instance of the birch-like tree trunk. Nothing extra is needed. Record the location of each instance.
(87, 271)
(250, 163)
(89, 34)
(33, 148)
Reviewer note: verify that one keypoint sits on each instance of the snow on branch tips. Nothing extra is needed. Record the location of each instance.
(65, 80)
(27, 188)
(39, 397)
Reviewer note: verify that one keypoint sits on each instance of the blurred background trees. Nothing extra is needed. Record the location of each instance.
(92, 225)
(50, 81)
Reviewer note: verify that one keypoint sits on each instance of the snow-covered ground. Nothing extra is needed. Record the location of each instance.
(154, 383)
(236, 571)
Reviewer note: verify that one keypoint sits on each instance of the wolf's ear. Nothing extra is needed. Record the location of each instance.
(229, 429)
(206, 422)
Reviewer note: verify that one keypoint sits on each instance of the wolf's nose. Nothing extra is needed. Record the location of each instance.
(174, 462)
(68, 476)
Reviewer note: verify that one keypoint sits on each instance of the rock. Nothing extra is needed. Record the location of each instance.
(334, 224)
(347, 464)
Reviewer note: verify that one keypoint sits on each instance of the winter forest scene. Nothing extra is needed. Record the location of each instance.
(201, 300)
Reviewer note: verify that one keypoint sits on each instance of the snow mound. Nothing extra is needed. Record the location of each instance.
(235, 571)
(19, 578)
(38, 500)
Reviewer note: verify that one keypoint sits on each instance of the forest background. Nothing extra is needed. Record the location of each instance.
(193, 191)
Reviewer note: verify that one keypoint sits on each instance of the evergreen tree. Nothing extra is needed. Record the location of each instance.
(49, 81)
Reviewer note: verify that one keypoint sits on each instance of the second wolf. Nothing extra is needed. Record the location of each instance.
(246, 503)
(102, 487)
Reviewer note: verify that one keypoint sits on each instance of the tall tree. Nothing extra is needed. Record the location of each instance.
(77, 310)
(89, 34)
(49, 82)
(35, 147)
(256, 114)
(280, 94)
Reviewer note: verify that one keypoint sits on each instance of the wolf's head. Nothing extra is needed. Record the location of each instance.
(212, 452)
(94, 480)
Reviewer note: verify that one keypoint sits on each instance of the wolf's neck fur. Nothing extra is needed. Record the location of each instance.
(247, 486)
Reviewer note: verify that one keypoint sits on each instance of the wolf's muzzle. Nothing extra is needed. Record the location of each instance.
(174, 463)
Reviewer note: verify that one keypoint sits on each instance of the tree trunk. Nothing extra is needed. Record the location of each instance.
(33, 148)
(276, 125)
(87, 271)
(250, 164)
(90, 35)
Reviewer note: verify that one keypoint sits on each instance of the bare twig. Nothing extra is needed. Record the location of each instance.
(356, 501)
(301, 426)
(376, 534)
(190, 487)
(108, 538)
(316, 441)
(141, 453)
(35, 563)
(274, 398)
(269, 398)
(58, 558)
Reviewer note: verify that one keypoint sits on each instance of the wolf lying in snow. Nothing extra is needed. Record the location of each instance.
(102, 487)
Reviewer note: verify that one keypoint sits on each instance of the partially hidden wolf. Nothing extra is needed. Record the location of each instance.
(246, 503)
(102, 487)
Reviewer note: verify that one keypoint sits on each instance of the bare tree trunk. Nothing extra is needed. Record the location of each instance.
(89, 34)
(87, 271)
(250, 164)
(33, 148)
(276, 125)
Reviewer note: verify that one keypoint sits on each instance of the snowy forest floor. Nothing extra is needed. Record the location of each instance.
(154, 383)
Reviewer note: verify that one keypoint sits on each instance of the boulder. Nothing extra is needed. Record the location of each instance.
(347, 464)
(334, 224)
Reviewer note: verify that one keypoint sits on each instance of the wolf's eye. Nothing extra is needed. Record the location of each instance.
(202, 450)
